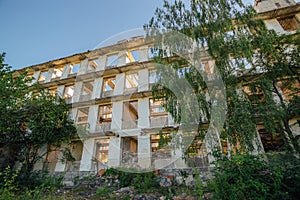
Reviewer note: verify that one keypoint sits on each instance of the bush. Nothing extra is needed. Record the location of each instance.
(247, 177)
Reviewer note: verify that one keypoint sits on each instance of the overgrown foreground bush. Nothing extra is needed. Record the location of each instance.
(256, 177)
(16, 184)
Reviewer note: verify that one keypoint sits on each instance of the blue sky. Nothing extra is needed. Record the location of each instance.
(35, 31)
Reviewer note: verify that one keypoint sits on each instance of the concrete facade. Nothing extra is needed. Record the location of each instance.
(111, 99)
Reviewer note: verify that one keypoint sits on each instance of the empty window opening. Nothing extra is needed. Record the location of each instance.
(130, 114)
(153, 78)
(112, 60)
(153, 52)
(102, 146)
(93, 64)
(109, 84)
(196, 154)
(289, 23)
(132, 56)
(76, 149)
(68, 91)
(104, 118)
(129, 146)
(43, 76)
(57, 72)
(131, 80)
(82, 115)
(74, 68)
(87, 88)
(105, 113)
(51, 159)
(158, 115)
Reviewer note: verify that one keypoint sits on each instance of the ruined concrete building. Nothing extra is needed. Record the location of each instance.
(110, 92)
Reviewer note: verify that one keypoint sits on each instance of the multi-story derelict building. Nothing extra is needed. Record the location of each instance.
(110, 92)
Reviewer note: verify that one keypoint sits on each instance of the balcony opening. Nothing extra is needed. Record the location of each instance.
(131, 80)
(132, 56)
(289, 23)
(104, 118)
(196, 154)
(130, 115)
(52, 158)
(129, 146)
(112, 60)
(82, 116)
(76, 149)
(57, 72)
(87, 90)
(92, 65)
(153, 52)
(74, 68)
(68, 91)
(158, 114)
(109, 86)
(102, 150)
(43, 76)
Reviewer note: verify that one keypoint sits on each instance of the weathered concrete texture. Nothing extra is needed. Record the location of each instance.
(268, 5)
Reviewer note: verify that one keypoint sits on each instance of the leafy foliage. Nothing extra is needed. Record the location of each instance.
(255, 64)
(33, 119)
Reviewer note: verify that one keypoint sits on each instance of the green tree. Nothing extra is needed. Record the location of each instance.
(31, 119)
(252, 61)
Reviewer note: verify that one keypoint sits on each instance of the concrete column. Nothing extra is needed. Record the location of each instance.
(83, 67)
(258, 147)
(49, 75)
(120, 84)
(102, 63)
(77, 91)
(36, 76)
(171, 120)
(87, 155)
(60, 165)
(117, 111)
(122, 58)
(178, 152)
(274, 24)
(144, 113)
(92, 118)
(73, 114)
(60, 90)
(114, 152)
(66, 71)
(144, 151)
(97, 90)
(144, 55)
(143, 80)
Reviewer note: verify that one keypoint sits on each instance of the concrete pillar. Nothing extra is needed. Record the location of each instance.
(102, 63)
(66, 71)
(144, 55)
(120, 83)
(77, 91)
(117, 111)
(97, 90)
(60, 165)
(143, 80)
(144, 113)
(114, 152)
(121, 58)
(92, 118)
(144, 151)
(274, 24)
(83, 67)
(49, 75)
(60, 90)
(73, 114)
(87, 155)
(35, 76)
